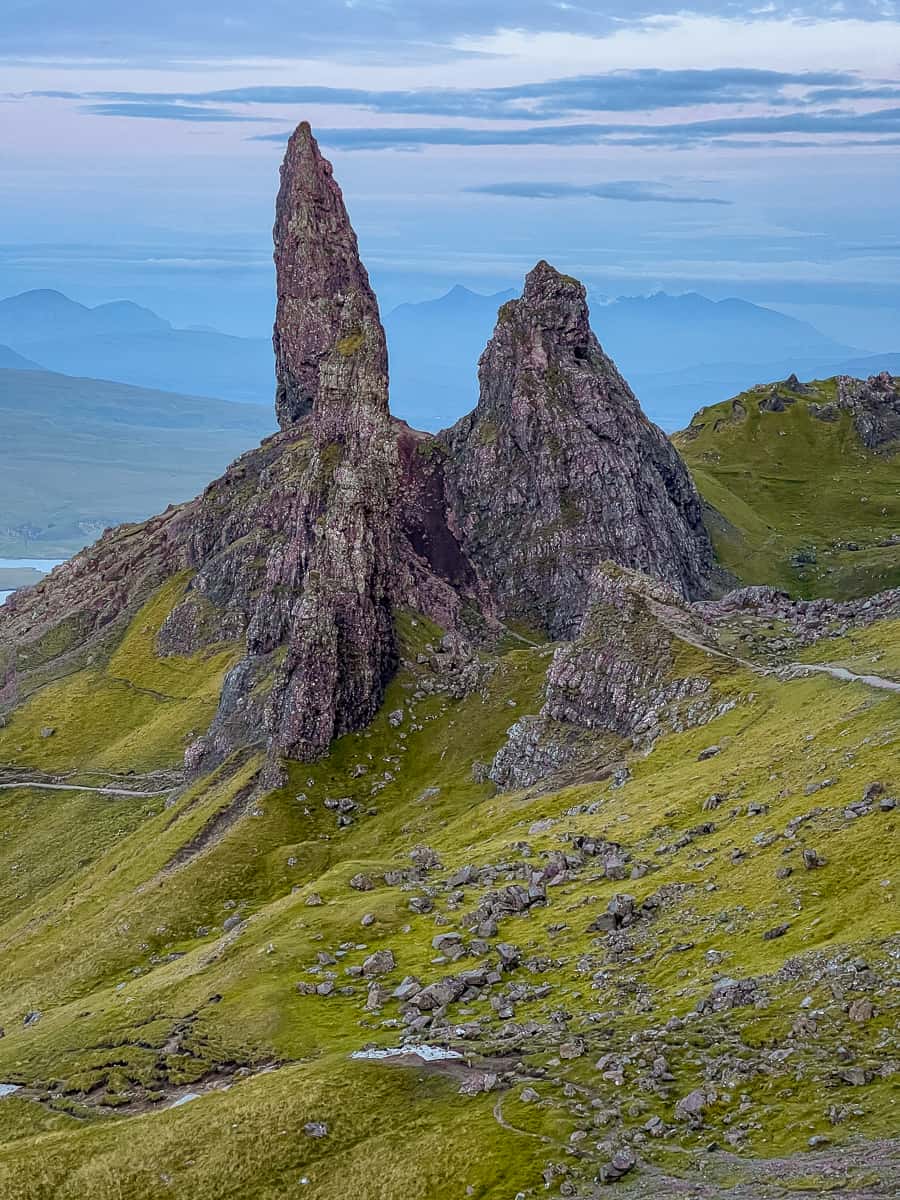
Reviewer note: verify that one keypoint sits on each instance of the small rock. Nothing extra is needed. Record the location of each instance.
(622, 1162)
(708, 753)
(382, 962)
(315, 1129)
(861, 1010)
(779, 931)
(691, 1107)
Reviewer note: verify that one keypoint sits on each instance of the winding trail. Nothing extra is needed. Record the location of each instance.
(504, 1124)
(798, 668)
(873, 681)
(73, 787)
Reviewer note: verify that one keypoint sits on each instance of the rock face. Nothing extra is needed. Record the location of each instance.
(330, 350)
(557, 468)
(621, 677)
(331, 360)
(875, 405)
(307, 547)
(338, 557)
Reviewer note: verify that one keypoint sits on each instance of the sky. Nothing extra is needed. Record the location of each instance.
(643, 145)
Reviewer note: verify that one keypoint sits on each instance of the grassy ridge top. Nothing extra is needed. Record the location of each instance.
(796, 501)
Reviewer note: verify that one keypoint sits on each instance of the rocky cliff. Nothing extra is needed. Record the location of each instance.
(305, 551)
(329, 343)
(558, 469)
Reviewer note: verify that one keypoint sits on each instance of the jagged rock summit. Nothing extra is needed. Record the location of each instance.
(558, 469)
(304, 553)
(330, 348)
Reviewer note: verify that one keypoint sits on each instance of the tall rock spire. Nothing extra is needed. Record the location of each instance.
(558, 469)
(331, 362)
(329, 341)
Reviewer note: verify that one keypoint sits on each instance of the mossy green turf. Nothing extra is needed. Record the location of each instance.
(112, 929)
(135, 712)
(787, 486)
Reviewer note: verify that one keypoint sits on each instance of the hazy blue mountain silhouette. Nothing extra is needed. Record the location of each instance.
(678, 352)
(124, 342)
(10, 360)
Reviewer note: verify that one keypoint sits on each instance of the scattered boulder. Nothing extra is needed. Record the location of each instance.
(690, 1108)
(621, 1163)
(382, 962)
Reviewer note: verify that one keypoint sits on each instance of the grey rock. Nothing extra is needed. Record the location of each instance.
(382, 962)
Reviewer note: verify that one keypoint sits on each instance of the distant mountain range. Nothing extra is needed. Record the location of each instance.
(77, 455)
(127, 343)
(678, 352)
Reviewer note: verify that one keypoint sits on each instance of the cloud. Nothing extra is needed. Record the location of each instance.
(634, 191)
(618, 91)
(160, 111)
(882, 121)
(221, 28)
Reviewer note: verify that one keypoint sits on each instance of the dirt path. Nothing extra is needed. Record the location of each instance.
(74, 787)
(841, 673)
(502, 1121)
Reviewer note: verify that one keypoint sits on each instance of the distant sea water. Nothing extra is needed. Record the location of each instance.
(44, 565)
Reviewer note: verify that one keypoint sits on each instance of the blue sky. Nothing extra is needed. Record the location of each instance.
(709, 146)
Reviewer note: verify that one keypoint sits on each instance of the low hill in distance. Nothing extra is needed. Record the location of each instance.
(10, 360)
(126, 342)
(78, 455)
(797, 499)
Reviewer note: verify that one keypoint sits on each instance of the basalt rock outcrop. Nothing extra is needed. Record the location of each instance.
(328, 340)
(632, 673)
(875, 406)
(342, 551)
(307, 548)
(558, 469)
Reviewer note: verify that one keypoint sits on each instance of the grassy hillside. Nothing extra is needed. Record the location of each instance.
(172, 944)
(78, 455)
(798, 502)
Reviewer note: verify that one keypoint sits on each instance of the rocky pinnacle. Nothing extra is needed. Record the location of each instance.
(558, 468)
(332, 363)
(330, 349)
(307, 548)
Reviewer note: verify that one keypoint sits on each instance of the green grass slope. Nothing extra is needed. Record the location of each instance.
(78, 455)
(795, 501)
(162, 942)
